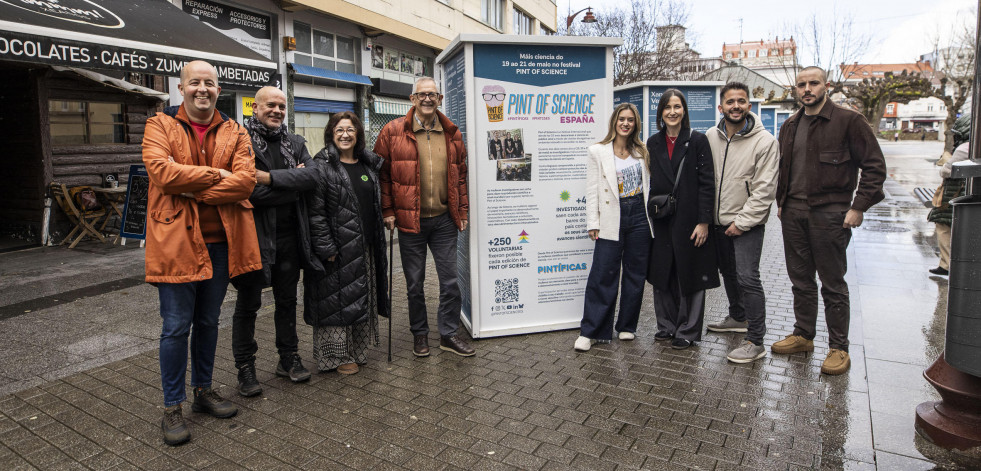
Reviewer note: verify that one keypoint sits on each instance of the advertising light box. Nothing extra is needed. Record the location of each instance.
(528, 106)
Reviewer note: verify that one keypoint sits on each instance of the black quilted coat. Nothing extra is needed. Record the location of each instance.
(339, 295)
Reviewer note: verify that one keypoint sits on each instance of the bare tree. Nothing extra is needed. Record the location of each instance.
(653, 35)
(827, 40)
(872, 95)
(953, 59)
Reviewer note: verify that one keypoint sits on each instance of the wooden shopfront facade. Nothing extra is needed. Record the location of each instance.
(77, 84)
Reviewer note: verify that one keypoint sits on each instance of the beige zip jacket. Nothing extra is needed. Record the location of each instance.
(746, 169)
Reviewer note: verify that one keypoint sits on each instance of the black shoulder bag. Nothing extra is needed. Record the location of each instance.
(662, 206)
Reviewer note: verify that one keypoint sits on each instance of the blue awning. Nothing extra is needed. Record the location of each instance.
(317, 72)
(313, 105)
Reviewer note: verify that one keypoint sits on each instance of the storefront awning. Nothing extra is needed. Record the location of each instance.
(392, 106)
(317, 72)
(113, 82)
(148, 37)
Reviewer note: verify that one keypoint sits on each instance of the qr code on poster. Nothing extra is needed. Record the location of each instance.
(506, 291)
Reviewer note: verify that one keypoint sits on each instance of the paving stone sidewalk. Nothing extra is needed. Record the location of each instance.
(524, 402)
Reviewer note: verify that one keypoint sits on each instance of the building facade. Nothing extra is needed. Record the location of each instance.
(76, 95)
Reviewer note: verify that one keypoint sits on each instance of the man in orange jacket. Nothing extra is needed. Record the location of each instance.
(200, 233)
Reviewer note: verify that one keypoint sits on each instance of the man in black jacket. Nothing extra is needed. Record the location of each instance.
(284, 168)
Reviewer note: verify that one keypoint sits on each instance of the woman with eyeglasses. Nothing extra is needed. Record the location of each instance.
(617, 184)
(343, 302)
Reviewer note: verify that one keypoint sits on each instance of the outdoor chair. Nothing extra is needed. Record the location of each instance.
(84, 220)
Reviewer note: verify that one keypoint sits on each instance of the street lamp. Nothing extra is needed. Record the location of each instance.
(589, 18)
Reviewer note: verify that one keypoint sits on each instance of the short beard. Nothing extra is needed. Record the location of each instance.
(730, 121)
(819, 99)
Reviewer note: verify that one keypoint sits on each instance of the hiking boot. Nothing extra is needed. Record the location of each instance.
(455, 344)
(583, 344)
(746, 353)
(728, 325)
(208, 400)
(420, 345)
(292, 367)
(626, 336)
(248, 386)
(175, 431)
(793, 344)
(836, 363)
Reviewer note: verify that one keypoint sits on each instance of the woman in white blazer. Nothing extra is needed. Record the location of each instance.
(617, 186)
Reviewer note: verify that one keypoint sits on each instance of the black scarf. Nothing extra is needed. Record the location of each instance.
(260, 134)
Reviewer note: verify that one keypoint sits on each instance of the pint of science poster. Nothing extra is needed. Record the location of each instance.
(532, 110)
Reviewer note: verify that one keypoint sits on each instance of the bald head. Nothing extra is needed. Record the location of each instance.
(265, 93)
(199, 87)
(193, 67)
(269, 107)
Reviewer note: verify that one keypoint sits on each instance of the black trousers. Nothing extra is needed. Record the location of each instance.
(285, 275)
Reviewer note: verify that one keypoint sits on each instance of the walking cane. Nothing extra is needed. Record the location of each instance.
(391, 267)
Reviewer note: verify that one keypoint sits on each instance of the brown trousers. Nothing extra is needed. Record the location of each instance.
(815, 242)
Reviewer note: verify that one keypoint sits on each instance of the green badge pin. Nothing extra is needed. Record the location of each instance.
(364, 178)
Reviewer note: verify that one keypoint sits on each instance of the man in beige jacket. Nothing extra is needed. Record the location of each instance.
(746, 164)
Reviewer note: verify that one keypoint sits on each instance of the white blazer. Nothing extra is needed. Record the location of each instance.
(603, 193)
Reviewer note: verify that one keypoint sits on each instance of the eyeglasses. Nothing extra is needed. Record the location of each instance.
(426, 95)
(494, 96)
(341, 132)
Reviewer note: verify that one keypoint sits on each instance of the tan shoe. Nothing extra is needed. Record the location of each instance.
(793, 344)
(836, 363)
(348, 368)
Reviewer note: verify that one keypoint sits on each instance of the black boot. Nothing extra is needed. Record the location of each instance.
(208, 400)
(248, 385)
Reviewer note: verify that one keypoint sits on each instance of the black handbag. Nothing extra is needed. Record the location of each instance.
(662, 206)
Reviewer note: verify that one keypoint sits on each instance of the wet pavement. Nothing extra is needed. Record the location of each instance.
(79, 380)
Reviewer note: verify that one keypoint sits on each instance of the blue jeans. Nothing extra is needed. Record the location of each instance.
(182, 305)
(630, 252)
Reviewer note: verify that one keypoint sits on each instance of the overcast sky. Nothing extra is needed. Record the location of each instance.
(901, 28)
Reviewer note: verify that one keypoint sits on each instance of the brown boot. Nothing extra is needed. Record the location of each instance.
(420, 345)
(793, 344)
(836, 363)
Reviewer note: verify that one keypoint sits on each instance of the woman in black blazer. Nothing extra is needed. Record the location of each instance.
(682, 263)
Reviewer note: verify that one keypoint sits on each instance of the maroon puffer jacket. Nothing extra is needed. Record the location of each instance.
(396, 144)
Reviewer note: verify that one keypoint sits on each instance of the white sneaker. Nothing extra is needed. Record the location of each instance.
(627, 336)
(583, 344)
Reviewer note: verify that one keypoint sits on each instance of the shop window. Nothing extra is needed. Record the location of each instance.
(492, 13)
(324, 50)
(86, 122)
(311, 126)
(522, 22)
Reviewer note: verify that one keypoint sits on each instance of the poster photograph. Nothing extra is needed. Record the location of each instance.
(378, 57)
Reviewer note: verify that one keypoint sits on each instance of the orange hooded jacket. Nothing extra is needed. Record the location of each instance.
(175, 248)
